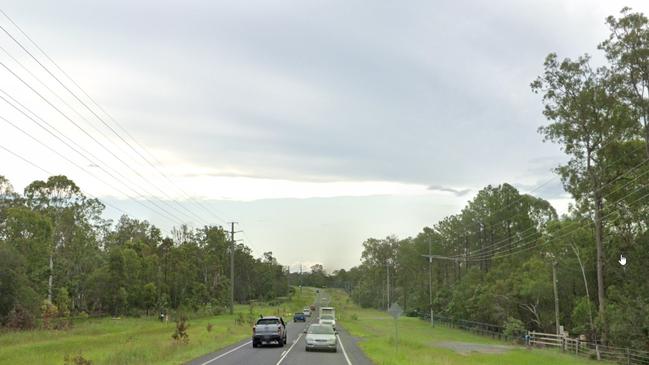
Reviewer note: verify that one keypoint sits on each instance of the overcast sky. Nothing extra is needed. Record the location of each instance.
(316, 124)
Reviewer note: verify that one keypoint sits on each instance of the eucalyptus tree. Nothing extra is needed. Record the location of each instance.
(627, 49)
(585, 117)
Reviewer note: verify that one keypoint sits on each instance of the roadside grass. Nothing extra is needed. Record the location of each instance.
(421, 344)
(139, 340)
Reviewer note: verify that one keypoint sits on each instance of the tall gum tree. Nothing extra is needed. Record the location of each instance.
(627, 50)
(585, 116)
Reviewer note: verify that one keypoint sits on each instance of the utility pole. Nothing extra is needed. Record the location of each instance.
(556, 295)
(387, 266)
(300, 278)
(232, 266)
(430, 280)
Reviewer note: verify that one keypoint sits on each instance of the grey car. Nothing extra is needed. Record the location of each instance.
(321, 337)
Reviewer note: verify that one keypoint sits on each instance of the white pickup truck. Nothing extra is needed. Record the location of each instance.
(328, 316)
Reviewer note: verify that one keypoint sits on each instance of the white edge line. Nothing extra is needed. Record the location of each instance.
(289, 349)
(226, 353)
(343, 348)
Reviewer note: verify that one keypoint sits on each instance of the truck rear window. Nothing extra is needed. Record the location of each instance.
(268, 321)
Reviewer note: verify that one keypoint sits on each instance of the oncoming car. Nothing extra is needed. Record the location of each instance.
(299, 317)
(321, 337)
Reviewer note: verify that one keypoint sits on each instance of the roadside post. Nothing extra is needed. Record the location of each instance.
(396, 311)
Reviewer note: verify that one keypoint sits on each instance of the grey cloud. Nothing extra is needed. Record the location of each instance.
(457, 192)
(328, 90)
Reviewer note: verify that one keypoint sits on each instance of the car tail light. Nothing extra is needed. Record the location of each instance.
(279, 329)
(254, 328)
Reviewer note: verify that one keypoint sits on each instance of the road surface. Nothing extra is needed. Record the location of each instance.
(293, 353)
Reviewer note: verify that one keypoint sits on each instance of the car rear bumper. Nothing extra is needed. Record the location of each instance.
(321, 346)
(267, 338)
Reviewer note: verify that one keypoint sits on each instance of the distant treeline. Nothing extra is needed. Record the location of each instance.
(497, 255)
(60, 258)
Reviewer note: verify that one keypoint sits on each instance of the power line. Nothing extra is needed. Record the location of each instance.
(506, 241)
(74, 123)
(165, 214)
(96, 104)
(71, 147)
(496, 255)
(495, 251)
(84, 131)
(51, 174)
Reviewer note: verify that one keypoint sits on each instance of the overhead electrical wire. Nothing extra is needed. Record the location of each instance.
(507, 240)
(164, 214)
(530, 243)
(68, 142)
(51, 174)
(84, 131)
(93, 112)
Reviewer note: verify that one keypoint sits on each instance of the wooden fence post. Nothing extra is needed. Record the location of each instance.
(628, 357)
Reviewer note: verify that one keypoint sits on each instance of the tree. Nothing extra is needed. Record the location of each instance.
(627, 49)
(586, 117)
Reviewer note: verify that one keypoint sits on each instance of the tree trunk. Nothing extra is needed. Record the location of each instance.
(646, 138)
(599, 240)
(556, 297)
(49, 281)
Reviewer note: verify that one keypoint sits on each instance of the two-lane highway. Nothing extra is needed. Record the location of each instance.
(293, 353)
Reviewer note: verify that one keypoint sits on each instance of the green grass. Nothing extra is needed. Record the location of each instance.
(136, 340)
(419, 343)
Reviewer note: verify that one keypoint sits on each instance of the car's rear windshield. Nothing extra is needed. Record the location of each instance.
(268, 321)
(321, 330)
(326, 316)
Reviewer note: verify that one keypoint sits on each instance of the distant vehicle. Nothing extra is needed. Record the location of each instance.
(312, 307)
(328, 319)
(268, 330)
(299, 317)
(321, 337)
(328, 310)
(307, 312)
(317, 290)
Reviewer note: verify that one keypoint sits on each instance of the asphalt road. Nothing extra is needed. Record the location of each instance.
(293, 353)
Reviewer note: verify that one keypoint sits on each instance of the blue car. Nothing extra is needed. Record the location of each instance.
(299, 317)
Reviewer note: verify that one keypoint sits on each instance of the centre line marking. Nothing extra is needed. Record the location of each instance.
(227, 353)
(289, 349)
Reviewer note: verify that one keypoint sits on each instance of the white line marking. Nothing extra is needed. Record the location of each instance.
(227, 353)
(343, 348)
(289, 349)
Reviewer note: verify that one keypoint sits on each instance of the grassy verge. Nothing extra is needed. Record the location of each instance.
(136, 340)
(421, 344)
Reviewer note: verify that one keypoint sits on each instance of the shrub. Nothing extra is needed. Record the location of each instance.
(62, 302)
(19, 318)
(514, 328)
(180, 334)
(240, 320)
(354, 317)
(77, 359)
(209, 327)
(49, 312)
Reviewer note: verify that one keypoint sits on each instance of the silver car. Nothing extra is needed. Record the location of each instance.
(321, 337)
